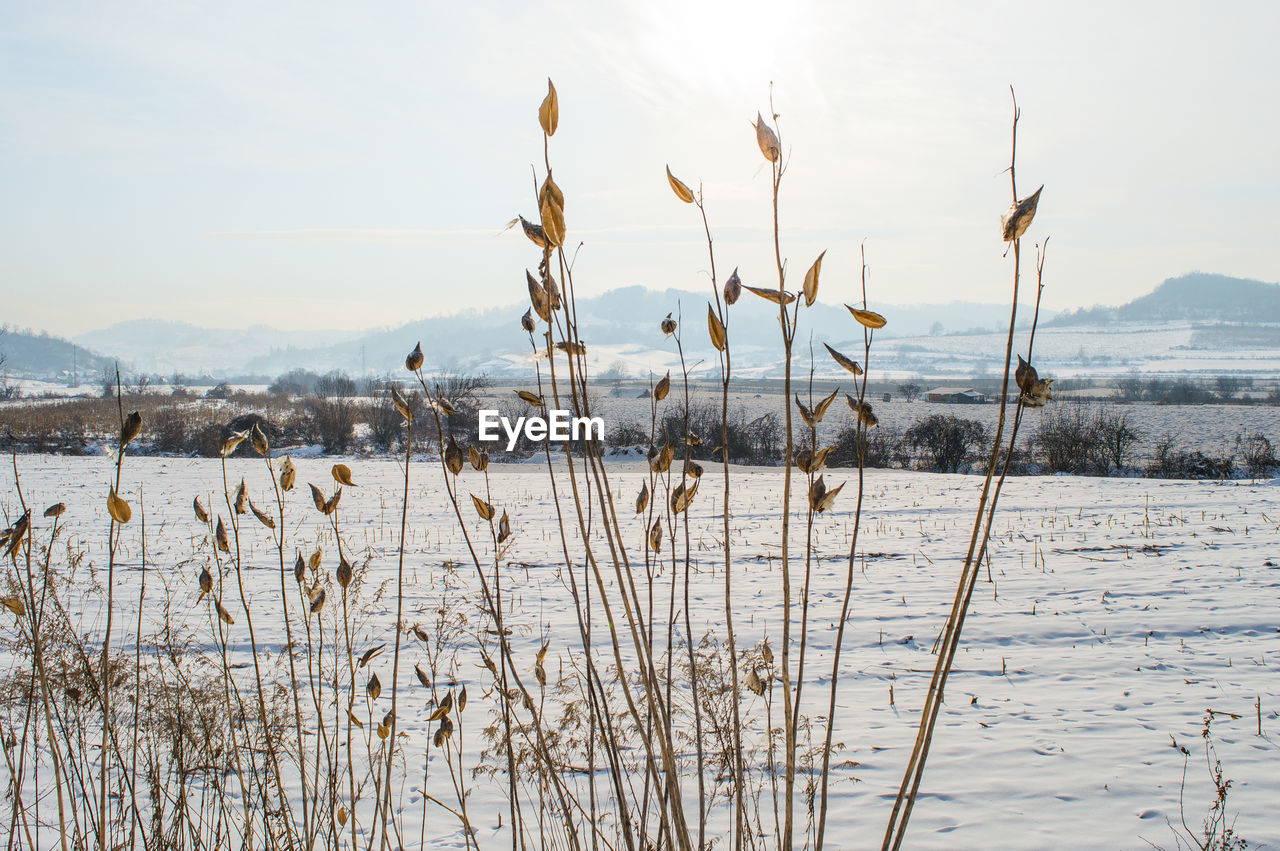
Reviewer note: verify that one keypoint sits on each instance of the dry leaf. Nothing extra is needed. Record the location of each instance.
(677, 186)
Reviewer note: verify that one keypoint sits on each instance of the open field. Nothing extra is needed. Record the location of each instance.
(1116, 613)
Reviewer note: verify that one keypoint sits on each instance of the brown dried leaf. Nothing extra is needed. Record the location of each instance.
(263, 517)
(532, 398)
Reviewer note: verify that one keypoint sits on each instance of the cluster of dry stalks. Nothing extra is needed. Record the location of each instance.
(653, 730)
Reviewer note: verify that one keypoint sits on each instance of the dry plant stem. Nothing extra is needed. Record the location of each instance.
(788, 335)
(384, 801)
(726, 372)
(905, 800)
(278, 534)
(257, 669)
(112, 539)
(860, 437)
(36, 626)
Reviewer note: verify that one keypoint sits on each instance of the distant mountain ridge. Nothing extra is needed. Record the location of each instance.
(1199, 296)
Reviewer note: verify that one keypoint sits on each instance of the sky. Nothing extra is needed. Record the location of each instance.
(342, 166)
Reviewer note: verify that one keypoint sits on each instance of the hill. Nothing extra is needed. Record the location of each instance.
(37, 354)
(1198, 296)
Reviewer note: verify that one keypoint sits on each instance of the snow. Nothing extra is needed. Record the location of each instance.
(1118, 611)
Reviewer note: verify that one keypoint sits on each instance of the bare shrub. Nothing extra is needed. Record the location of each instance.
(947, 442)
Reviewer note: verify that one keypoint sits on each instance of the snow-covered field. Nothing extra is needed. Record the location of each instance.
(1118, 611)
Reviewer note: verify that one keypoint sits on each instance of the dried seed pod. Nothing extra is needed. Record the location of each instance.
(531, 398)
(342, 475)
(804, 460)
(317, 599)
(811, 281)
(444, 732)
(14, 604)
(422, 676)
(223, 614)
(1025, 376)
(775, 296)
(526, 321)
(317, 497)
(504, 528)
(642, 499)
(462, 699)
(846, 362)
(820, 409)
(118, 508)
(313, 561)
(453, 456)
(719, 337)
(401, 404)
(572, 347)
(443, 709)
(767, 140)
(373, 688)
(821, 499)
(766, 652)
(201, 514)
(863, 410)
(538, 297)
(220, 537)
(660, 459)
(806, 414)
(288, 474)
(130, 429)
(241, 501)
(259, 440)
(299, 567)
(553, 227)
(231, 443)
(354, 720)
(663, 387)
(446, 407)
(549, 110)
(655, 535)
(754, 683)
(867, 318)
(550, 191)
(694, 469)
(332, 504)
(677, 186)
(533, 232)
(56, 510)
(413, 361)
(263, 517)
(681, 497)
(733, 288)
(342, 815)
(668, 326)
(484, 509)
(371, 654)
(1014, 223)
(206, 583)
(479, 460)
(343, 573)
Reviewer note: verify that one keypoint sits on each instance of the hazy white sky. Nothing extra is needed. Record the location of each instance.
(310, 165)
